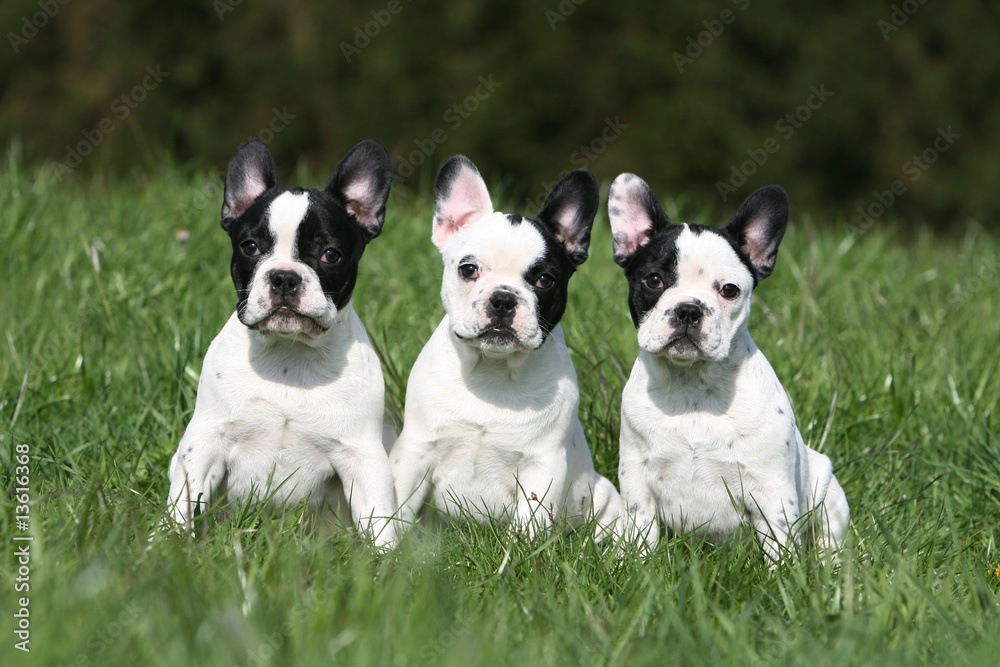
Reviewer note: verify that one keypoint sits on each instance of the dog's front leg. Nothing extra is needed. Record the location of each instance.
(831, 512)
(367, 479)
(774, 536)
(638, 524)
(541, 487)
(411, 458)
(196, 471)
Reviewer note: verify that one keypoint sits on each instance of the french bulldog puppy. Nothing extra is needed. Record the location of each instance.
(708, 435)
(290, 399)
(491, 426)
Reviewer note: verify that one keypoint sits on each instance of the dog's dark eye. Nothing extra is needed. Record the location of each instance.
(330, 256)
(545, 281)
(250, 248)
(468, 271)
(729, 291)
(654, 281)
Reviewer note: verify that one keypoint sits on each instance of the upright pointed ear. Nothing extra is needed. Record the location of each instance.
(361, 183)
(758, 227)
(635, 216)
(460, 198)
(251, 173)
(569, 212)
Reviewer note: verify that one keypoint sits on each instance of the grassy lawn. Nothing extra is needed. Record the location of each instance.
(888, 343)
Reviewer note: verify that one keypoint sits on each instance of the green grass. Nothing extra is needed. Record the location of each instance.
(887, 343)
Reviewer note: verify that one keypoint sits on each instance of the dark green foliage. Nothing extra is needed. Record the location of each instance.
(598, 85)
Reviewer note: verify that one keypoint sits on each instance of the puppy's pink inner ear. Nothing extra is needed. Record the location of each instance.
(358, 200)
(238, 202)
(630, 223)
(467, 202)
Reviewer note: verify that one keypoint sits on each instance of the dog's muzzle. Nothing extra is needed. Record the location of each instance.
(500, 309)
(686, 324)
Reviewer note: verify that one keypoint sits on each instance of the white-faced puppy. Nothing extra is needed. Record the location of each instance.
(290, 400)
(708, 436)
(491, 421)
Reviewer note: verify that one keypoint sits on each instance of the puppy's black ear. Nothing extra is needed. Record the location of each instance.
(635, 216)
(758, 227)
(460, 198)
(569, 212)
(361, 183)
(251, 173)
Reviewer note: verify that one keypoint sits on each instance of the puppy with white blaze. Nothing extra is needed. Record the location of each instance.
(708, 436)
(291, 394)
(491, 426)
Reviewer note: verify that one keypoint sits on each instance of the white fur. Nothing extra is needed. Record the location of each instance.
(705, 263)
(497, 438)
(288, 416)
(503, 252)
(708, 435)
(494, 433)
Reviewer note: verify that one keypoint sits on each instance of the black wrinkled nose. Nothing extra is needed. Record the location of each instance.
(688, 313)
(284, 282)
(502, 303)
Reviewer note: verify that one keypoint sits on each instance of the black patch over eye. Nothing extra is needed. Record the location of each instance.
(330, 256)
(729, 291)
(545, 281)
(653, 281)
(250, 248)
(468, 271)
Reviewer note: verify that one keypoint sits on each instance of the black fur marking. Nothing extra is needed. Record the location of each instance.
(758, 227)
(368, 164)
(556, 262)
(569, 212)
(326, 224)
(659, 256)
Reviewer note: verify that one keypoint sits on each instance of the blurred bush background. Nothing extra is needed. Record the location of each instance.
(706, 100)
